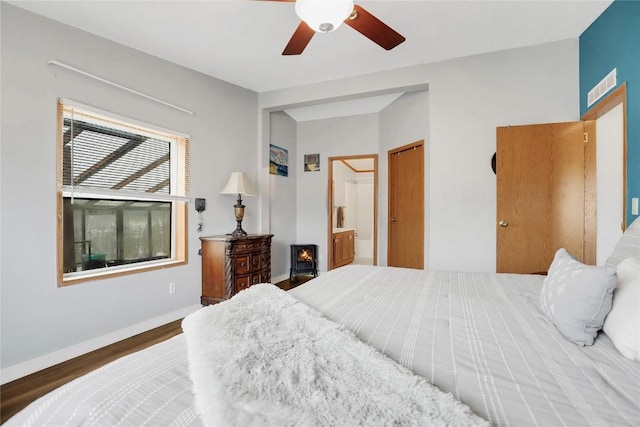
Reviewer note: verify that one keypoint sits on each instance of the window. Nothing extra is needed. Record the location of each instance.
(122, 196)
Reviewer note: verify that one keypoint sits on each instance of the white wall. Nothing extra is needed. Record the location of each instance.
(37, 317)
(331, 137)
(364, 220)
(403, 122)
(350, 211)
(609, 182)
(340, 174)
(468, 98)
(283, 197)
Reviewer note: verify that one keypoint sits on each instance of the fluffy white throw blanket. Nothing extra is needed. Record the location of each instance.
(264, 358)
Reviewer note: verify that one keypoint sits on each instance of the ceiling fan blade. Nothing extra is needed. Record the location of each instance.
(373, 28)
(300, 39)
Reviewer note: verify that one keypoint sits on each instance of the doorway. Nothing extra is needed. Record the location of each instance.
(610, 115)
(406, 207)
(352, 210)
(601, 200)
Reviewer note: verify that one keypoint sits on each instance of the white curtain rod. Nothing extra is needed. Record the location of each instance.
(119, 86)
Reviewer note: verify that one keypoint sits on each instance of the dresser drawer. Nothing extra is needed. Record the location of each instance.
(265, 276)
(249, 263)
(243, 282)
(242, 264)
(248, 246)
(256, 263)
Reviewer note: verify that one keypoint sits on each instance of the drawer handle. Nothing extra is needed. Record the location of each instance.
(243, 264)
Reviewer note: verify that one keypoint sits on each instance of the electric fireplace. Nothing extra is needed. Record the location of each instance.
(304, 259)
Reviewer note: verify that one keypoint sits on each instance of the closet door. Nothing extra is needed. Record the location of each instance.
(545, 194)
(406, 207)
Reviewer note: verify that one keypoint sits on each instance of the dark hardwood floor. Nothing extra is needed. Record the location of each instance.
(299, 280)
(16, 395)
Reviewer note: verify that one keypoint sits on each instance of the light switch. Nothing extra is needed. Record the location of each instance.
(634, 206)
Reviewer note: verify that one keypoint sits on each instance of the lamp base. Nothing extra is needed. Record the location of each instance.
(238, 210)
(238, 232)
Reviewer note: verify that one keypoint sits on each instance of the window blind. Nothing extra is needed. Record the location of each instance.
(102, 156)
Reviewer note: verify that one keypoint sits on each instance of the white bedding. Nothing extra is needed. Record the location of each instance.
(264, 358)
(148, 388)
(481, 337)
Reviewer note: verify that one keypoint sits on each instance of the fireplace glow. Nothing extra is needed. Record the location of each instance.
(304, 260)
(305, 255)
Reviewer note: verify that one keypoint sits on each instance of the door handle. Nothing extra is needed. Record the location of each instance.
(503, 223)
(394, 219)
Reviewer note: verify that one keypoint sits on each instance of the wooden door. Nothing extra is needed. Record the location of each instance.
(545, 180)
(406, 206)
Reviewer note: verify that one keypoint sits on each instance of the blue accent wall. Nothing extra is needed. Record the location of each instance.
(613, 41)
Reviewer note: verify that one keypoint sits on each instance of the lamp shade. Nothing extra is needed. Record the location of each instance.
(323, 15)
(238, 184)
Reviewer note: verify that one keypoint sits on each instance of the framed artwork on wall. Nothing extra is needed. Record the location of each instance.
(278, 161)
(312, 162)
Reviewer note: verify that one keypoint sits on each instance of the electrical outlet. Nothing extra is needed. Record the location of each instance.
(172, 288)
(634, 206)
(201, 205)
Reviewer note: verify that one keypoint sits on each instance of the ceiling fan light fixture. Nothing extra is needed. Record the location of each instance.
(323, 16)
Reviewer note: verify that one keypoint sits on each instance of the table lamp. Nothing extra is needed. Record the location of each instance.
(239, 184)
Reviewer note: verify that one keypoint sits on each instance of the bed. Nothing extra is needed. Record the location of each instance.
(484, 339)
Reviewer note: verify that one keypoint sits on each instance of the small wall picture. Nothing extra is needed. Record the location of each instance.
(311, 162)
(278, 161)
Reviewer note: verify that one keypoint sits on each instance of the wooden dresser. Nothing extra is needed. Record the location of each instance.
(231, 264)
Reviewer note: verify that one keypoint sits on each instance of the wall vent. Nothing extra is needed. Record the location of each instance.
(604, 86)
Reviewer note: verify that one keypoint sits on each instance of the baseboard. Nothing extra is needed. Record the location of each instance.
(34, 365)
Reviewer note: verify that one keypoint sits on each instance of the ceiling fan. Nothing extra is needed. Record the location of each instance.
(324, 16)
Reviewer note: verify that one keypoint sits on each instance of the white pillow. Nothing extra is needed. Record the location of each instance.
(622, 324)
(628, 245)
(577, 297)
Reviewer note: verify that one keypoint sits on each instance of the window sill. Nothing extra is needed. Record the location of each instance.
(109, 273)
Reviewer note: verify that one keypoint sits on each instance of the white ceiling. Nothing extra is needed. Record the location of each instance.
(360, 165)
(241, 41)
(353, 107)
